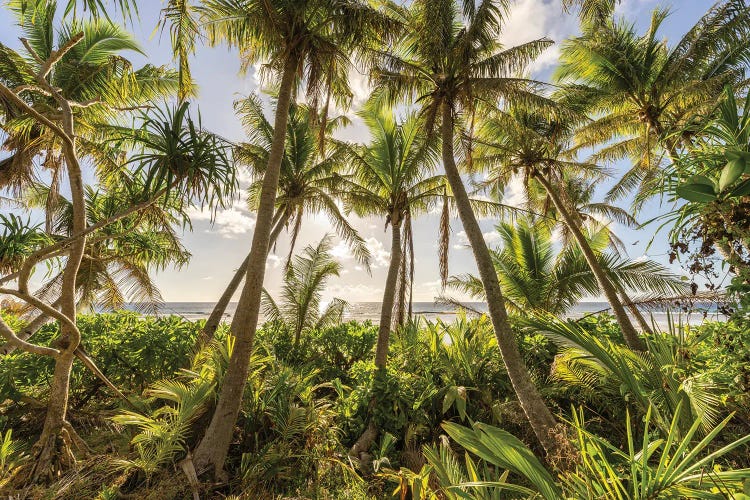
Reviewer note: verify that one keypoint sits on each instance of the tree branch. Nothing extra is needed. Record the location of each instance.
(39, 255)
(17, 101)
(11, 337)
(43, 307)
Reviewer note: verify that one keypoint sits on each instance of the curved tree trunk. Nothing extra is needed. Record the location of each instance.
(213, 448)
(52, 450)
(534, 407)
(214, 320)
(360, 447)
(629, 332)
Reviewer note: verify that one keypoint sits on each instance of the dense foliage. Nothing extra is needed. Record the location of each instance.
(306, 402)
(98, 175)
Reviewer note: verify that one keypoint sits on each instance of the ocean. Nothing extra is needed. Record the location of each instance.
(431, 311)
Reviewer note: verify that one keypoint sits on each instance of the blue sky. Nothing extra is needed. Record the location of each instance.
(218, 248)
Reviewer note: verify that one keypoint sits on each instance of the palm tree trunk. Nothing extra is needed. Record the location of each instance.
(214, 320)
(645, 327)
(534, 407)
(389, 297)
(213, 448)
(360, 447)
(610, 292)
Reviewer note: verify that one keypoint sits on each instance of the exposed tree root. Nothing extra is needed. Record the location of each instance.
(360, 450)
(51, 456)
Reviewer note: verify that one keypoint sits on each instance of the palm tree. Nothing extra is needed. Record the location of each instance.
(446, 59)
(118, 258)
(308, 183)
(306, 42)
(648, 98)
(540, 148)
(579, 191)
(301, 295)
(591, 215)
(52, 100)
(536, 278)
(391, 179)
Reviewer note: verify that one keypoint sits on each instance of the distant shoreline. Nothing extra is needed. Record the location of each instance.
(363, 311)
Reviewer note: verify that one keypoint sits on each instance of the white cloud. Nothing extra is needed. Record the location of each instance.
(274, 260)
(533, 19)
(230, 222)
(492, 238)
(243, 176)
(515, 194)
(341, 251)
(642, 258)
(360, 87)
(380, 257)
(355, 293)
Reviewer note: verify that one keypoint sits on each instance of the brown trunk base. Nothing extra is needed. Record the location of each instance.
(52, 455)
(204, 463)
(360, 450)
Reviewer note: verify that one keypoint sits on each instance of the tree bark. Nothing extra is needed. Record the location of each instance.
(214, 320)
(645, 327)
(363, 443)
(629, 332)
(540, 418)
(389, 297)
(214, 447)
(52, 450)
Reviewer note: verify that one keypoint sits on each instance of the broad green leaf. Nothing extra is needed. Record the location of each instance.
(501, 448)
(700, 193)
(732, 171)
(702, 179)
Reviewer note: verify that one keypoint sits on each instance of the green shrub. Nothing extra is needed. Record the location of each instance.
(133, 351)
(10, 454)
(724, 353)
(337, 348)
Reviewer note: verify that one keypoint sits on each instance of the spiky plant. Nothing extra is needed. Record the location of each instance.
(658, 381)
(536, 278)
(677, 465)
(647, 97)
(299, 308)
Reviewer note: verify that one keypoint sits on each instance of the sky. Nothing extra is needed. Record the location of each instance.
(218, 248)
